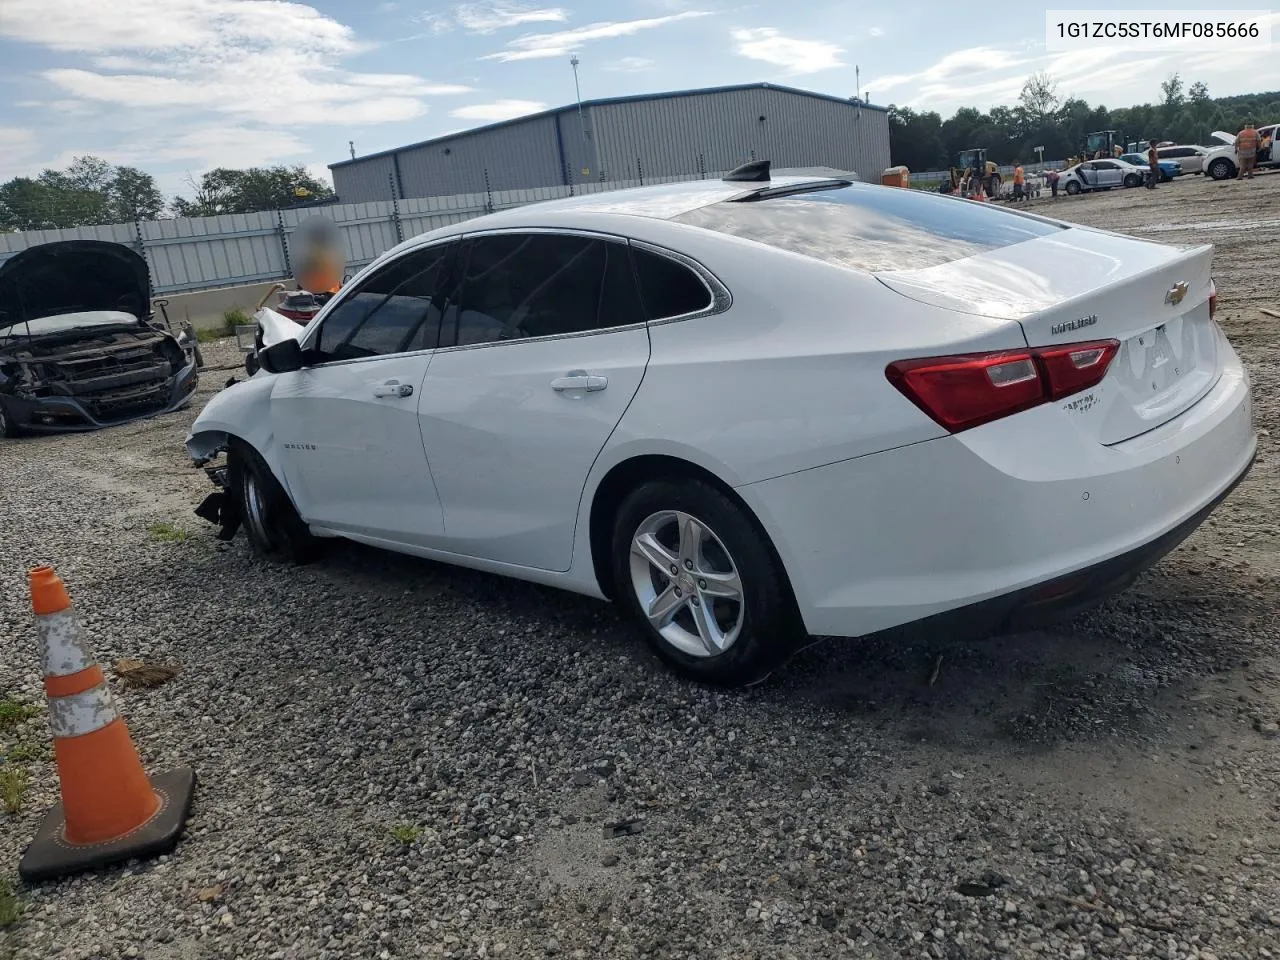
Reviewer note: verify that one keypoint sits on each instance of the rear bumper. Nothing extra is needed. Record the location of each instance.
(1003, 525)
(73, 415)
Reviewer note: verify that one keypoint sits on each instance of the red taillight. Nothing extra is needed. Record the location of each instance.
(967, 391)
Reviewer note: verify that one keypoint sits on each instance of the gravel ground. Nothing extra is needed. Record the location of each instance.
(400, 759)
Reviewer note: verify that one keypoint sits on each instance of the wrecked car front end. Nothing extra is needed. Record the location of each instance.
(77, 349)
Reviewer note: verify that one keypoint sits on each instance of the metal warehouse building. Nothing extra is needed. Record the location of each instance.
(685, 133)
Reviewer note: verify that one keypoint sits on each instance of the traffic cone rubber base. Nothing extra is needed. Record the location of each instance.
(51, 855)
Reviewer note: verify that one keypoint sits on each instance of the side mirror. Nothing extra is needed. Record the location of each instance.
(282, 357)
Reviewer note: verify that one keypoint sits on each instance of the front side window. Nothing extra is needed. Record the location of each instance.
(394, 311)
(516, 286)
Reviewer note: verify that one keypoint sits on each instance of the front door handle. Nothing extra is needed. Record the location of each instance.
(393, 388)
(579, 380)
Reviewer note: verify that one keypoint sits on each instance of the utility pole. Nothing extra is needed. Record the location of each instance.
(352, 145)
(857, 75)
(573, 62)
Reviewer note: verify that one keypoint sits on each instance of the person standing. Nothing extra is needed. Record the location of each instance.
(1246, 150)
(1052, 177)
(1153, 161)
(1019, 181)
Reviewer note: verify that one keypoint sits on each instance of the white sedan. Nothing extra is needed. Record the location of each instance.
(1101, 175)
(752, 411)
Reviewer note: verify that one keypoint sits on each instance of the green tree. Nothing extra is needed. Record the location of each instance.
(89, 191)
(224, 191)
(1039, 97)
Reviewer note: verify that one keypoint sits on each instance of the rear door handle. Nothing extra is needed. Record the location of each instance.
(579, 380)
(393, 388)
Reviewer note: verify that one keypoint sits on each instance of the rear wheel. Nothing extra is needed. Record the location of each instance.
(276, 531)
(703, 582)
(1073, 188)
(1222, 169)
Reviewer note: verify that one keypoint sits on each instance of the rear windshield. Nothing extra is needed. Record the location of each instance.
(872, 228)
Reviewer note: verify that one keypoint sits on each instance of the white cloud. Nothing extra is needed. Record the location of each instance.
(17, 147)
(975, 60)
(498, 110)
(249, 60)
(876, 32)
(629, 64)
(488, 17)
(541, 45)
(793, 55)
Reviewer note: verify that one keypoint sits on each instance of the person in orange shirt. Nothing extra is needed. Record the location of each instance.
(1019, 181)
(1246, 150)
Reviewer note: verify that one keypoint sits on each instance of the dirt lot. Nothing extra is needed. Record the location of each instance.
(400, 759)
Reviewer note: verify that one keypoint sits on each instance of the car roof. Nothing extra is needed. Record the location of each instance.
(664, 201)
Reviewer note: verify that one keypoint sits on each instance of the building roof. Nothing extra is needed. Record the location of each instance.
(607, 101)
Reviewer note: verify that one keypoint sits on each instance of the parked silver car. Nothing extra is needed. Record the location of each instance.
(1100, 175)
(1187, 156)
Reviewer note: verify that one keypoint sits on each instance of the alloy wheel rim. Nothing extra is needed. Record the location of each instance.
(687, 583)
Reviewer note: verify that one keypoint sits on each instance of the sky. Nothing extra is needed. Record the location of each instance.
(177, 87)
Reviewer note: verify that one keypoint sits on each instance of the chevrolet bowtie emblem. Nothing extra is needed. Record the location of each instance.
(1176, 293)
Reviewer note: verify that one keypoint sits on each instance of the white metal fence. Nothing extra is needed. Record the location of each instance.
(200, 253)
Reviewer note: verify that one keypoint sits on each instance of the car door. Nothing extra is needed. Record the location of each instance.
(542, 347)
(1107, 173)
(347, 423)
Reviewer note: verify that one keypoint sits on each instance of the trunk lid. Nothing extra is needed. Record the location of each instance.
(1081, 285)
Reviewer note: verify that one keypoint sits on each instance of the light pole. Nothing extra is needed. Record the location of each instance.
(1040, 151)
(573, 62)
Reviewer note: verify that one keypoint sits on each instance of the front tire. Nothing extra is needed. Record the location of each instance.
(9, 429)
(276, 532)
(1073, 188)
(703, 583)
(1222, 169)
(1132, 180)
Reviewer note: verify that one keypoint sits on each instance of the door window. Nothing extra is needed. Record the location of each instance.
(515, 286)
(396, 310)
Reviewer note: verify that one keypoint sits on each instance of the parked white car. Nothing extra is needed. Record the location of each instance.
(1188, 156)
(1100, 175)
(751, 411)
(1222, 163)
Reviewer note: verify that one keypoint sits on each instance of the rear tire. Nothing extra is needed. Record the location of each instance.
(276, 532)
(703, 583)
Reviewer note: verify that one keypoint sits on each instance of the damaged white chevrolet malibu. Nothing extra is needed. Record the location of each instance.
(753, 410)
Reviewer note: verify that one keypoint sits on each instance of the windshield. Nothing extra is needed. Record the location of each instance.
(42, 326)
(872, 228)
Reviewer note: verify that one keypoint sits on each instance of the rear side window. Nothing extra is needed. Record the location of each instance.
(669, 288)
(872, 228)
(394, 311)
(514, 286)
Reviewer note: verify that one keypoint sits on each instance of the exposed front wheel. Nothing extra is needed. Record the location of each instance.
(703, 582)
(1222, 169)
(1073, 188)
(1132, 180)
(275, 530)
(9, 428)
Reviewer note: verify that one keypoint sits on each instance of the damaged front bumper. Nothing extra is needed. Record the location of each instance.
(219, 508)
(72, 414)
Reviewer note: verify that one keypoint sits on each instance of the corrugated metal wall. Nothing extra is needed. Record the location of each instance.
(730, 127)
(662, 136)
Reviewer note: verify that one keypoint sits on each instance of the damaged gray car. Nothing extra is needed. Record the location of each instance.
(78, 346)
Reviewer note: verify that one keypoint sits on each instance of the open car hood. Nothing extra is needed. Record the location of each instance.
(1223, 138)
(73, 276)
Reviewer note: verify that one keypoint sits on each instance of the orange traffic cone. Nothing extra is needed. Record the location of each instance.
(110, 809)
